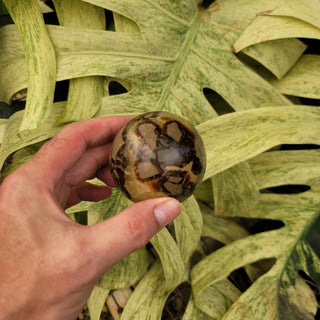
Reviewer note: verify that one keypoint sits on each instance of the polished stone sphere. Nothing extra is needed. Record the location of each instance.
(157, 154)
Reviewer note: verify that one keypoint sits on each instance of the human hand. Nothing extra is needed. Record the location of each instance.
(48, 263)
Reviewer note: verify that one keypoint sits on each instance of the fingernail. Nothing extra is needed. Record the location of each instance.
(166, 211)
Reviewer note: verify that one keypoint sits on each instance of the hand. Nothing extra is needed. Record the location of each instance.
(48, 263)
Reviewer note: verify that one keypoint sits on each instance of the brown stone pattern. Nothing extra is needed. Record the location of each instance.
(157, 154)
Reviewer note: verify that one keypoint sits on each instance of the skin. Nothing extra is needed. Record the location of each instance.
(48, 263)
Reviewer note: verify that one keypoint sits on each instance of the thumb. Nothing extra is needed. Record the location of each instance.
(131, 229)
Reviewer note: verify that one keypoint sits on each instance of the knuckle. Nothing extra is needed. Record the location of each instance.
(11, 185)
(138, 231)
(56, 141)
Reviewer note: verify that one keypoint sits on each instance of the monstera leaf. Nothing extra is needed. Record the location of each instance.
(227, 69)
(3, 9)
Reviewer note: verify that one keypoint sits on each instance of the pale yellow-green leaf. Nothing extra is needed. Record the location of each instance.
(123, 24)
(20, 157)
(148, 298)
(239, 13)
(13, 142)
(218, 265)
(271, 298)
(200, 55)
(302, 296)
(255, 131)
(307, 11)
(96, 302)
(179, 12)
(224, 230)
(3, 123)
(234, 191)
(236, 15)
(84, 95)
(204, 192)
(257, 307)
(307, 198)
(44, 8)
(84, 99)
(94, 216)
(14, 67)
(233, 16)
(79, 14)
(172, 55)
(127, 272)
(170, 257)
(188, 226)
(41, 61)
(217, 298)
(278, 168)
(303, 79)
(265, 28)
(221, 229)
(96, 210)
(194, 313)
(278, 56)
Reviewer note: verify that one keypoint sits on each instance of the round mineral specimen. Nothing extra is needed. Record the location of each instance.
(157, 154)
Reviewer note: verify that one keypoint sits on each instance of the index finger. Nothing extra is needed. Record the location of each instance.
(56, 157)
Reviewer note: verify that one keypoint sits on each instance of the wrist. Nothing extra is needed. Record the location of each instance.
(18, 307)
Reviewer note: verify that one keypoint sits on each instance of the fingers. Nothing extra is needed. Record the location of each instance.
(129, 230)
(104, 174)
(60, 154)
(87, 192)
(88, 165)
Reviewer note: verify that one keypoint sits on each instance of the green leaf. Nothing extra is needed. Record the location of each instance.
(3, 9)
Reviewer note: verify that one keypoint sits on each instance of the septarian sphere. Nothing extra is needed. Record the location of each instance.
(157, 154)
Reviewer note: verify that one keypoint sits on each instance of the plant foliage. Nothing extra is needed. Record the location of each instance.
(3, 9)
(240, 72)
